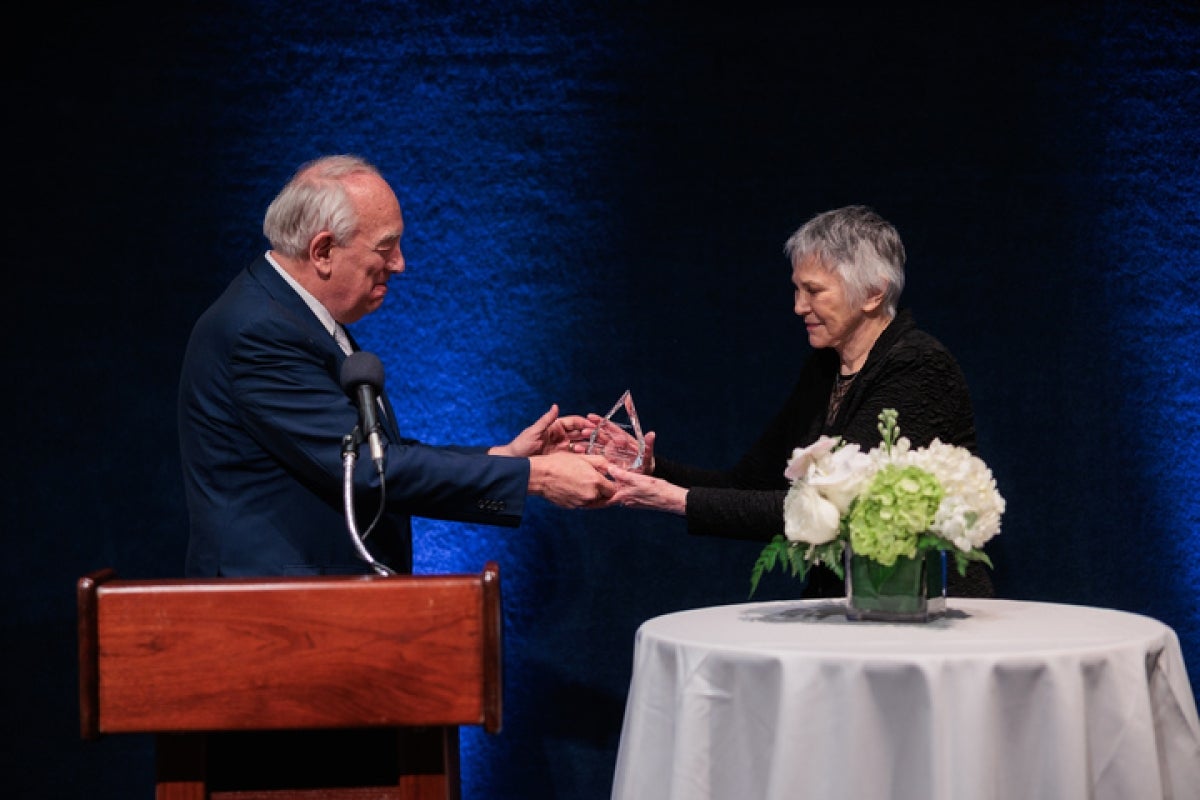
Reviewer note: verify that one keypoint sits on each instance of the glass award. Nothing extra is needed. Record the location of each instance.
(620, 439)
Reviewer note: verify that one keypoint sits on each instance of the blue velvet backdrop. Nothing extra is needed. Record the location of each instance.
(597, 195)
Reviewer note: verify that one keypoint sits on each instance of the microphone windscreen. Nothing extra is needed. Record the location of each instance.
(362, 367)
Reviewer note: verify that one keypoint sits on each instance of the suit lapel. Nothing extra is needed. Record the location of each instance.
(287, 298)
(262, 271)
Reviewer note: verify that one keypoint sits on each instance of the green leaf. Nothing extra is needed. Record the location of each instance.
(962, 559)
(831, 555)
(778, 551)
(931, 541)
(797, 561)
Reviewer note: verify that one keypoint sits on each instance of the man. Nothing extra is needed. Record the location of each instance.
(262, 412)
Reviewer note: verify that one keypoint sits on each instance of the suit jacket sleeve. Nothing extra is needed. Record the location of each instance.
(290, 402)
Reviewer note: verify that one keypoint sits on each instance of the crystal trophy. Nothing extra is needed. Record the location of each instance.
(621, 442)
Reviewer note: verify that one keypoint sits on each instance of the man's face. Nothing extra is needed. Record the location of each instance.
(360, 269)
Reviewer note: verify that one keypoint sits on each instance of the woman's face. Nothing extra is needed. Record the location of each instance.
(821, 300)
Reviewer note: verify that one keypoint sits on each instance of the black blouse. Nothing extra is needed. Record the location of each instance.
(907, 369)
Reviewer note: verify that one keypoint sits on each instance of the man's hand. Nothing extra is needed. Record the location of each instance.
(543, 437)
(570, 481)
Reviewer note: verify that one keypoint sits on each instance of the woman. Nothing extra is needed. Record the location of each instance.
(848, 273)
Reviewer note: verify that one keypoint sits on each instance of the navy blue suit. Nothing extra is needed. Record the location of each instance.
(262, 415)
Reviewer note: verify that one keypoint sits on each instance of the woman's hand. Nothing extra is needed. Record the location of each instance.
(613, 442)
(635, 490)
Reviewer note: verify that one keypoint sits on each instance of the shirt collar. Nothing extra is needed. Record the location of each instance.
(321, 311)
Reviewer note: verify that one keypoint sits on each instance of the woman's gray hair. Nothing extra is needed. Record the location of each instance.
(314, 200)
(860, 247)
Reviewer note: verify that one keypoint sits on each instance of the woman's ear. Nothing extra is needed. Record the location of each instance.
(873, 302)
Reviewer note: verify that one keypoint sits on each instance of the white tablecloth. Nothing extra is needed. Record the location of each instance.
(1002, 699)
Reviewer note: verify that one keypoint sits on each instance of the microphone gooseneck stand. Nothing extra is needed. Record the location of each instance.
(350, 443)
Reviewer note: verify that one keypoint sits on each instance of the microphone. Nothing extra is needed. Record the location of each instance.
(362, 379)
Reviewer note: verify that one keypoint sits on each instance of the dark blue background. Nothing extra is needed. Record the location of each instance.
(597, 195)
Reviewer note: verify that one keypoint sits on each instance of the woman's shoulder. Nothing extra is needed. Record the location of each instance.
(918, 365)
(915, 345)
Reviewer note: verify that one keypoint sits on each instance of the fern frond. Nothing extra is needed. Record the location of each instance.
(777, 551)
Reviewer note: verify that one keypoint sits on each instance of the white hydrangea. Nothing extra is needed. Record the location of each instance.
(970, 511)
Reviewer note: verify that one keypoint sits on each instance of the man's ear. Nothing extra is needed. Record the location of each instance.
(320, 251)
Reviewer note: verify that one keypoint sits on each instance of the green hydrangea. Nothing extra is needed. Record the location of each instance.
(896, 508)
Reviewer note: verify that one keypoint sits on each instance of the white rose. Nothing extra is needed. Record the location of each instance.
(841, 475)
(804, 457)
(809, 517)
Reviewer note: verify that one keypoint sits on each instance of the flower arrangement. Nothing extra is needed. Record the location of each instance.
(891, 502)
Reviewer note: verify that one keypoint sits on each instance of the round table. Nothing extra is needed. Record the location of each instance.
(999, 699)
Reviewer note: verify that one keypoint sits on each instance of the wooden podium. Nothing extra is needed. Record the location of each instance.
(294, 688)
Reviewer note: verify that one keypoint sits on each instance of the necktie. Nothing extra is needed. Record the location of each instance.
(342, 338)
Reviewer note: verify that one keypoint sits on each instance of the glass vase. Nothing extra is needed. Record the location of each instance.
(911, 590)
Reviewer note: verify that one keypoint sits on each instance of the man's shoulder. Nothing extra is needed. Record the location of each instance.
(256, 295)
(251, 285)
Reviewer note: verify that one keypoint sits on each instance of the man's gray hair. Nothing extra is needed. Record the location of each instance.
(314, 200)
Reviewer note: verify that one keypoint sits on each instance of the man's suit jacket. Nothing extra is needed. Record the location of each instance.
(262, 415)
